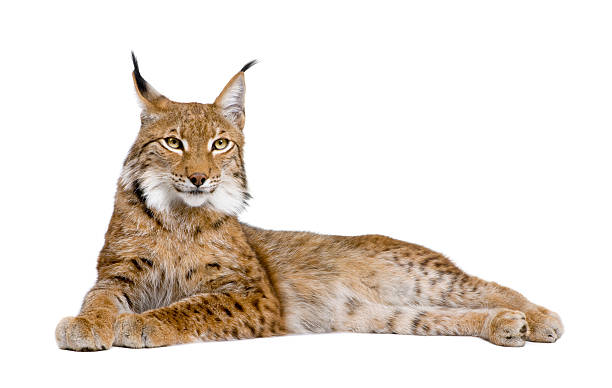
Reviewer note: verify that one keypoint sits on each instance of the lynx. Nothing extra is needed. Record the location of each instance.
(178, 267)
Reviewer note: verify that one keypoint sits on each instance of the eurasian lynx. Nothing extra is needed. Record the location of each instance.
(177, 266)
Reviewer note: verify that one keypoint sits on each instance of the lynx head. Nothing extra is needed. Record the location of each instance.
(189, 154)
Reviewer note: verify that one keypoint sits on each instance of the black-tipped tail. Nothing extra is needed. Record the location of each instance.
(248, 65)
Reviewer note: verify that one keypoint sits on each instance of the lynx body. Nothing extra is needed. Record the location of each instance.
(177, 266)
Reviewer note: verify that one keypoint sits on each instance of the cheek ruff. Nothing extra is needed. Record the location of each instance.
(230, 196)
(158, 190)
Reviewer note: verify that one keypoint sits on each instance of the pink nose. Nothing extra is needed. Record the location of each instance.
(197, 178)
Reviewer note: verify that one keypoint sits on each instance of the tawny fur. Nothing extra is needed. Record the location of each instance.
(178, 266)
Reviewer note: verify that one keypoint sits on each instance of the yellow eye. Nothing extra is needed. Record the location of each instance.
(220, 144)
(173, 142)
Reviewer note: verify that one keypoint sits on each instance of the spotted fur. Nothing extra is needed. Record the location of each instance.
(177, 266)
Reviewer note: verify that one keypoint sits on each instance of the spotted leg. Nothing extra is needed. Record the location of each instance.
(201, 318)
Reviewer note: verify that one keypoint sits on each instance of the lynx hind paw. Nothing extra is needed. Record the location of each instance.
(79, 334)
(508, 328)
(545, 325)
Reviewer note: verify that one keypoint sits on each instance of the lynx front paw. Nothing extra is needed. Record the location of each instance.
(139, 331)
(80, 334)
(545, 325)
(508, 328)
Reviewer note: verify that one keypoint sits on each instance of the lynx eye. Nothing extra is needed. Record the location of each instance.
(220, 144)
(173, 142)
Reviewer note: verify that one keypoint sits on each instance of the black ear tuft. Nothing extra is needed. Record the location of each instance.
(248, 65)
(140, 82)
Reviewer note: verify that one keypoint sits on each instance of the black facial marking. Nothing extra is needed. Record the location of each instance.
(143, 148)
(141, 198)
(146, 261)
(139, 193)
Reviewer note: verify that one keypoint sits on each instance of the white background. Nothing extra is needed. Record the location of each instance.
(480, 129)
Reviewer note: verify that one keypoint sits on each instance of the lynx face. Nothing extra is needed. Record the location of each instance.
(189, 154)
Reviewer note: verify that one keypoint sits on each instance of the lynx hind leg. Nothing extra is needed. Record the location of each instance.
(503, 327)
(544, 325)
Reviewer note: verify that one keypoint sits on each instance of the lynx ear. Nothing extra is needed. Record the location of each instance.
(231, 99)
(150, 99)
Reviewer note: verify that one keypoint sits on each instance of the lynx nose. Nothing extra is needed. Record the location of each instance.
(197, 178)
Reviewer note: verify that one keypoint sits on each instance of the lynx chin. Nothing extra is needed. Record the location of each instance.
(178, 267)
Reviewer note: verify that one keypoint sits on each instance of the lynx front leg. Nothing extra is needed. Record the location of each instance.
(92, 329)
(201, 318)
